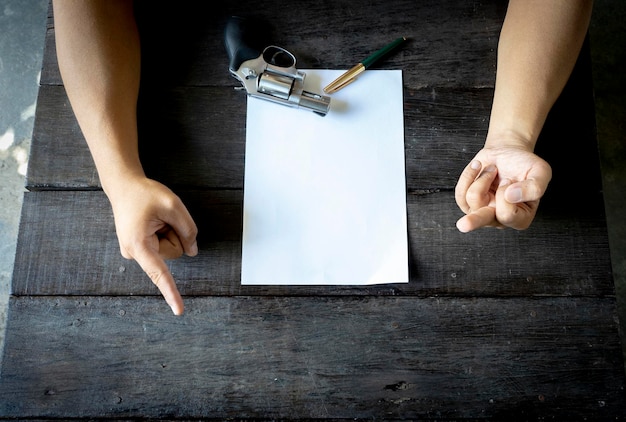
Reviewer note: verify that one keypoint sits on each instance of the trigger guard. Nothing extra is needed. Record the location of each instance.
(279, 57)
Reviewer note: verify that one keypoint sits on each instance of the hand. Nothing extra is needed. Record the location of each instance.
(153, 225)
(501, 187)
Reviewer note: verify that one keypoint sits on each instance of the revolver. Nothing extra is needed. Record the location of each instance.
(270, 74)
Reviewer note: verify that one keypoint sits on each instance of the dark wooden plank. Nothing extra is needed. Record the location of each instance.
(190, 52)
(59, 157)
(349, 357)
(452, 43)
(67, 245)
(49, 66)
(494, 324)
(195, 137)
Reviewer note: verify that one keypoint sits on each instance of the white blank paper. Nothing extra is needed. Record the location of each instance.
(325, 197)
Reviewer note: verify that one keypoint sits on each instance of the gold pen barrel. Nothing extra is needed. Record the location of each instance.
(344, 79)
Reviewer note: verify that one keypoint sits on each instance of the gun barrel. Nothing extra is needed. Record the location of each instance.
(317, 103)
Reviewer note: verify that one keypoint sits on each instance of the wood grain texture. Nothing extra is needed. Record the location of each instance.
(67, 245)
(496, 324)
(195, 137)
(202, 131)
(452, 43)
(303, 357)
(448, 76)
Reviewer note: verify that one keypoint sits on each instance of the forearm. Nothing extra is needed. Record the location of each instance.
(99, 59)
(539, 44)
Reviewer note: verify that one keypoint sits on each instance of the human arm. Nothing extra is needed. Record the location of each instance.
(99, 59)
(538, 47)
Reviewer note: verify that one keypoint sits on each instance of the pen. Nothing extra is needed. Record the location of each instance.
(351, 74)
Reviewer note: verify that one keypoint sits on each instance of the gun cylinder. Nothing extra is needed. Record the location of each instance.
(276, 85)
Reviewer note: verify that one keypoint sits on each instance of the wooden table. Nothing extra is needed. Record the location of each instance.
(494, 324)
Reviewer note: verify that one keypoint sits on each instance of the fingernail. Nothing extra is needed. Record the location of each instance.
(193, 251)
(514, 195)
(504, 182)
(490, 168)
(462, 226)
(475, 165)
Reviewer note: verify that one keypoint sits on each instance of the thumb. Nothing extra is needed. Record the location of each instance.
(532, 188)
(180, 220)
(526, 191)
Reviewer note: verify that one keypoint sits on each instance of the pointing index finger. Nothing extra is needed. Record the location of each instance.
(156, 268)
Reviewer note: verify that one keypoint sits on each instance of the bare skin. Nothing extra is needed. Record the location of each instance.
(538, 47)
(99, 58)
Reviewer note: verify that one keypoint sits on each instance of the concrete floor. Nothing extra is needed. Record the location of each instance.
(22, 32)
(22, 29)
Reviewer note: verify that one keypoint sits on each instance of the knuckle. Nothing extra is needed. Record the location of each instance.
(131, 248)
(175, 251)
(171, 202)
(156, 276)
(461, 199)
(125, 253)
(189, 232)
(474, 197)
(514, 220)
(506, 218)
(175, 201)
(459, 191)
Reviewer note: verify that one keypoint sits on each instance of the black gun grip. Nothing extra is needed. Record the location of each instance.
(239, 37)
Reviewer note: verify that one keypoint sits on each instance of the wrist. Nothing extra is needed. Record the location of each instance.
(116, 184)
(509, 138)
(117, 163)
